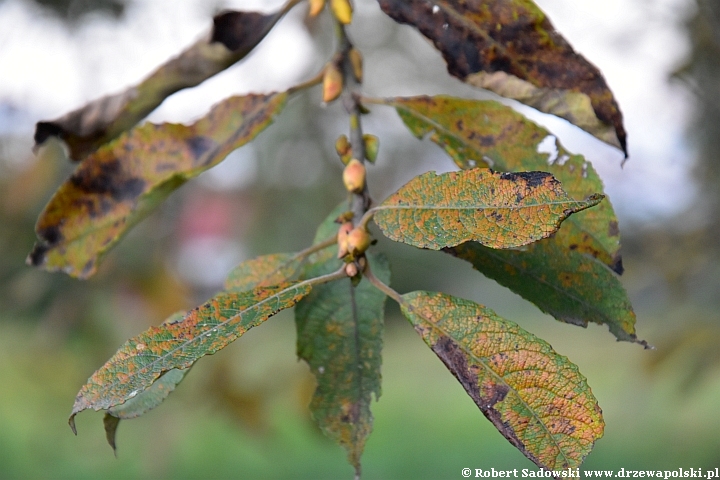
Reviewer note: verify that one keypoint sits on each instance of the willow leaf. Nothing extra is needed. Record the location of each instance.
(487, 133)
(572, 287)
(177, 345)
(511, 48)
(497, 210)
(145, 401)
(232, 37)
(124, 181)
(340, 336)
(535, 397)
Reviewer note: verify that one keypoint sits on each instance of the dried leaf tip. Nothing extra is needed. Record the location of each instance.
(71, 422)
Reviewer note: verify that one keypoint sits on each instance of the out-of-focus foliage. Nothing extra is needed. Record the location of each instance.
(692, 276)
(75, 10)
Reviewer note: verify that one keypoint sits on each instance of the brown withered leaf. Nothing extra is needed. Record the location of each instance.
(511, 48)
(232, 37)
(118, 185)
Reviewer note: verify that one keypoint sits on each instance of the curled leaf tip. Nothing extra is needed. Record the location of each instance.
(71, 422)
(111, 422)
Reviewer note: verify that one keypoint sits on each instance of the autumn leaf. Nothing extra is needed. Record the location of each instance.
(486, 133)
(145, 401)
(124, 181)
(177, 345)
(511, 48)
(232, 37)
(498, 210)
(562, 275)
(536, 398)
(340, 331)
(572, 287)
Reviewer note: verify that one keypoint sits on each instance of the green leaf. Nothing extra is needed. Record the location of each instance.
(498, 210)
(121, 183)
(233, 36)
(486, 133)
(177, 345)
(340, 329)
(572, 287)
(563, 275)
(535, 397)
(511, 48)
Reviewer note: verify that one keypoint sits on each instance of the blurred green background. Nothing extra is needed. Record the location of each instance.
(243, 412)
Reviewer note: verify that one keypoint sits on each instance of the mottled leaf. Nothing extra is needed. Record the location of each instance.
(340, 329)
(121, 183)
(145, 401)
(535, 397)
(572, 287)
(232, 37)
(486, 133)
(556, 274)
(511, 48)
(498, 210)
(177, 345)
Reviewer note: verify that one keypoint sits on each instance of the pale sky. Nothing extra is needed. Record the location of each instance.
(45, 72)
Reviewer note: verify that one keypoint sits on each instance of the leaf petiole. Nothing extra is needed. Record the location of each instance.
(377, 283)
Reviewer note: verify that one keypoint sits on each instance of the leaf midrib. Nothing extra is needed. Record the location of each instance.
(170, 353)
(439, 128)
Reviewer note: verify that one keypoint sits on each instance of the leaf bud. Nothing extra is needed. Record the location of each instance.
(342, 239)
(344, 149)
(372, 144)
(358, 241)
(316, 7)
(351, 269)
(354, 176)
(356, 61)
(332, 83)
(342, 10)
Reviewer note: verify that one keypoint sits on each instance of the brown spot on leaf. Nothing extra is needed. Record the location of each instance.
(240, 31)
(108, 178)
(199, 146)
(452, 356)
(532, 179)
(613, 229)
(516, 38)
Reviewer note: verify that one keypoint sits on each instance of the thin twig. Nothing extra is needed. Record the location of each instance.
(377, 283)
(330, 277)
(359, 202)
(316, 80)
